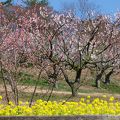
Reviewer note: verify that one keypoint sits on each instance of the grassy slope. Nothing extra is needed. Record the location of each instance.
(86, 86)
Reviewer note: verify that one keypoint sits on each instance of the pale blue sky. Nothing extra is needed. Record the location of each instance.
(105, 6)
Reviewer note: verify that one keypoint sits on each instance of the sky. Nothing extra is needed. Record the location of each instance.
(104, 6)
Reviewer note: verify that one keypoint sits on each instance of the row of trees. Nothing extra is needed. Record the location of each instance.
(28, 3)
(55, 43)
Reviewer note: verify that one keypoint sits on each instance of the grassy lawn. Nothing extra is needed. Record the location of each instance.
(87, 87)
(58, 97)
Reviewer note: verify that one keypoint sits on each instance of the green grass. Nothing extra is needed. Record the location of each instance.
(32, 82)
(112, 88)
(27, 79)
(95, 90)
(44, 96)
(57, 97)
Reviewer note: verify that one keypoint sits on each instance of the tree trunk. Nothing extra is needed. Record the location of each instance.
(70, 83)
(5, 85)
(33, 94)
(16, 94)
(6, 91)
(78, 75)
(56, 85)
(107, 77)
(13, 83)
(98, 78)
(74, 90)
(97, 83)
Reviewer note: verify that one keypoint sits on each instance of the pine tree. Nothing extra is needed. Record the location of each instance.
(33, 2)
(8, 2)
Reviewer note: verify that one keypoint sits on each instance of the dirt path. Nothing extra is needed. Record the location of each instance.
(30, 89)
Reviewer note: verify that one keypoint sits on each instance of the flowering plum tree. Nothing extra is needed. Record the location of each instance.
(109, 55)
(12, 44)
(56, 43)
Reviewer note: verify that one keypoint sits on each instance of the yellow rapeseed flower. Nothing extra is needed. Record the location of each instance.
(88, 97)
(83, 107)
(111, 98)
(104, 96)
(0, 97)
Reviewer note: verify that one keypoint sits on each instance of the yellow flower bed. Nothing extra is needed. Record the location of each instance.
(85, 106)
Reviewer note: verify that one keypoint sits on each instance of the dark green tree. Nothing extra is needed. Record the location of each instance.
(33, 2)
(7, 2)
